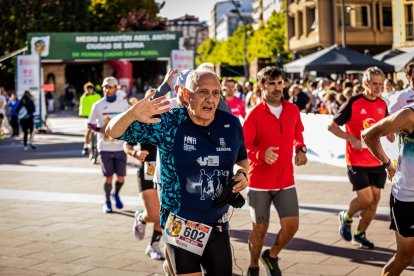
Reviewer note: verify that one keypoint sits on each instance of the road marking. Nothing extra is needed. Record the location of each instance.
(96, 170)
(136, 201)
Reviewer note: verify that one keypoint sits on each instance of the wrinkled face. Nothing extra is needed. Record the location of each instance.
(109, 90)
(375, 86)
(203, 100)
(272, 90)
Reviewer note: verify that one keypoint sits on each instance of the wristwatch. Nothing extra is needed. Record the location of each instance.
(302, 149)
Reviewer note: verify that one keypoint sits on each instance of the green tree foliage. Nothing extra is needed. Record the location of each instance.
(209, 51)
(19, 17)
(266, 42)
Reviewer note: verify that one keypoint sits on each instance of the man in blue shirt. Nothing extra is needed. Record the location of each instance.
(195, 228)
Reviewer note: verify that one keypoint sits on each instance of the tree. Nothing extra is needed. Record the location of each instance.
(106, 15)
(209, 51)
(19, 17)
(266, 42)
(140, 20)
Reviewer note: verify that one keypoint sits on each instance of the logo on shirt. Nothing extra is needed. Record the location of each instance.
(380, 111)
(211, 161)
(363, 111)
(367, 123)
(223, 146)
(227, 126)
(189, 143)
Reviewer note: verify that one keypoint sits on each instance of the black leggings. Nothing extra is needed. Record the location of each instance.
(216, 259)
(27, 127)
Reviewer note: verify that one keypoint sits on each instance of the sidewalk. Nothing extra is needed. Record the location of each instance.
(52, 222)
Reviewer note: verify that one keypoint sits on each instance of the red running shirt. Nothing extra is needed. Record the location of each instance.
(357, 114)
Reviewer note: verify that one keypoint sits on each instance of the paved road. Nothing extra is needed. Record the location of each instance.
(52, 223)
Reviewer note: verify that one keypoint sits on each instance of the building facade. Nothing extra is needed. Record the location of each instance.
(403, 27)
(313, 24)
(194, 31)
(224, 12)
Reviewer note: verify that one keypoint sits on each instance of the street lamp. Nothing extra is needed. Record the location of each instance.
(343, 24)
(236, 11)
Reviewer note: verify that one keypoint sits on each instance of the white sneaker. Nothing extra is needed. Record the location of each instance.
(139, 227)
(154, 252)
(25, 148)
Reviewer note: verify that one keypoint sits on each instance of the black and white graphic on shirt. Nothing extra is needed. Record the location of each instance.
(212, 185)
(212, 161)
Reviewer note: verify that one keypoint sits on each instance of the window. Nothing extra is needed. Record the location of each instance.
(409, 34)
(355, 16)
(386, 16)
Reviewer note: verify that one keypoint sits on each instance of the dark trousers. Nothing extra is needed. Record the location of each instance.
(27, 127)
(14, 123)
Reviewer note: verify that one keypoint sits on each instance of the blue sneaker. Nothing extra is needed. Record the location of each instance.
(118, 202)
(344, 226)
(107, 208)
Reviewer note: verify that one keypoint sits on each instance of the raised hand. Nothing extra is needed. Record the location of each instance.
(146, 108)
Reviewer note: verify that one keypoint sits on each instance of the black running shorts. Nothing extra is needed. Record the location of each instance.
(402, 217)
(362, 177)
(216, 259)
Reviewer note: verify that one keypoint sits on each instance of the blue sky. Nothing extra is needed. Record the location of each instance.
(177, 8)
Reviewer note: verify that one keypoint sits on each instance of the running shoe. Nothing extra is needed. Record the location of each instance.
(344, 226)
(85, 151)
(32, 146)
(107, 208)
(139, 227)
(118, 202)
(362, 241)
(271, 264)
(253, 271)
(25, 148)
(154, 252)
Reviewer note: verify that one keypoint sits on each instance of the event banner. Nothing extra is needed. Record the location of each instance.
(103, 46)
(28, 79)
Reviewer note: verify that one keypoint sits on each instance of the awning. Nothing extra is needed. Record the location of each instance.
(336, 59)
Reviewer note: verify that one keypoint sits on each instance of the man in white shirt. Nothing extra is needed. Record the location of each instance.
(404, 97)
(114, 159)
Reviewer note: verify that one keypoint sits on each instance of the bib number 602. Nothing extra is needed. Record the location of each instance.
(194, 234)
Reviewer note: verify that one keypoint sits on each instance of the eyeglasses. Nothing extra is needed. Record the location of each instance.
(280, 82)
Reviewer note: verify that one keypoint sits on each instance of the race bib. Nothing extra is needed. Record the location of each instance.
(149, 170)
(186, 234)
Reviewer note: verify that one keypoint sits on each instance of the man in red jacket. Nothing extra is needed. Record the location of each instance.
(271, 130)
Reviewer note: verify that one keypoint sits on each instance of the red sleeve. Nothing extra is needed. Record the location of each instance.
(254, 153)
(298, 139)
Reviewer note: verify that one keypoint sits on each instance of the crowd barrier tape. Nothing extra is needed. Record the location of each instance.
(325, 147)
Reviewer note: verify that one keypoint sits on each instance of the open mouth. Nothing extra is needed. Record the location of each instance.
(207, 108)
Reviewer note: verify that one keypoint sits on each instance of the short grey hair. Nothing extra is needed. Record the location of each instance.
(369, 72)
(194, 77)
